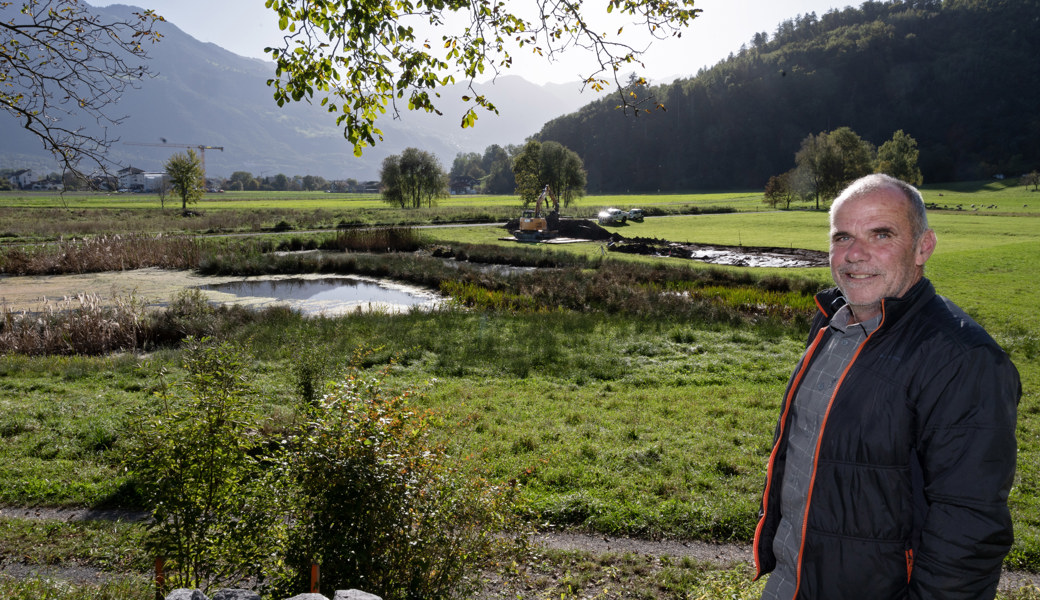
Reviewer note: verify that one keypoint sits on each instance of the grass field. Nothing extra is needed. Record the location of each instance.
(613, 422)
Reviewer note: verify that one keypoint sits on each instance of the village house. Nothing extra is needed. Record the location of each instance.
(21, 179)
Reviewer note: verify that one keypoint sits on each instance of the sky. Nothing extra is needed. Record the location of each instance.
(246, 27)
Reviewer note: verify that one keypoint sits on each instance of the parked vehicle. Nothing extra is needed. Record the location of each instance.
(636, 214)
(612, 216)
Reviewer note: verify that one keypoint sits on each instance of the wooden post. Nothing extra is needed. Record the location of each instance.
(315, 578)
(160, 578)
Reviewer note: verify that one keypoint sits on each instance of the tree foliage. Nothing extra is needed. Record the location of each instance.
(783, 189)
(498, 163)
(364, 57)
(186, 177)
(1031, 178)
(898, 157)
(412, 179)
(548, 164)
(59, 58)
(833, 159)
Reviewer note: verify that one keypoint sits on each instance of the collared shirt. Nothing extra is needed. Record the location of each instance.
(805, 427)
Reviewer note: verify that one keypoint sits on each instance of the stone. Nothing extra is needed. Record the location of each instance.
(354, 595)
(186, 594)
(235, 595)
(308, 597)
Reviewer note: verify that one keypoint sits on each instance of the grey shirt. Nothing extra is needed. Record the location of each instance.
(808, 412)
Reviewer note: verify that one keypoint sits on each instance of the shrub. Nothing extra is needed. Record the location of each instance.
(378, 504)
(193, 464)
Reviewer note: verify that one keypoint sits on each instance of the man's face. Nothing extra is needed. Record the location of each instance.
(873, 251)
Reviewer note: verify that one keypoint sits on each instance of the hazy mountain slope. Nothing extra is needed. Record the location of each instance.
(203, 94)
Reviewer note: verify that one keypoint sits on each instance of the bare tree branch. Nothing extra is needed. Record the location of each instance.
(59, 59)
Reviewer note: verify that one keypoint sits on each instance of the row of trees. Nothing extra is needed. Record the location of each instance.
(415, 178)
(828, 161)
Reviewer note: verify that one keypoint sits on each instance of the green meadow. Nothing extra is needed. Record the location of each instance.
(616, 413)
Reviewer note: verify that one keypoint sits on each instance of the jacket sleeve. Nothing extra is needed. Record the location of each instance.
(966, 443)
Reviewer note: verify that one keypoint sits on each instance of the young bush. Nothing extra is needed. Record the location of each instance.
(380, 506)
(192, 462)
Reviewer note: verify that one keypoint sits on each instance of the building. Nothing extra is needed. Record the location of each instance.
(132, 179)
(21, 179)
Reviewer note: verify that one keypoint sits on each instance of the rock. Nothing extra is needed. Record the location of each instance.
(354, 595)
(308, 597)
(186, 594)
(235, 595)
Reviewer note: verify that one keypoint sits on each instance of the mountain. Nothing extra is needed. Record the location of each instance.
(959, 76)
(205, 95)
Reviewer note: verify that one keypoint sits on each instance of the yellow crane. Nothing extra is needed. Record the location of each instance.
(200, 147)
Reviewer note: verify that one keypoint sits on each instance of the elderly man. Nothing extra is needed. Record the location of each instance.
(895, 448)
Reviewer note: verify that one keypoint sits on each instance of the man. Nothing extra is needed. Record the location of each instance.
(895, 449)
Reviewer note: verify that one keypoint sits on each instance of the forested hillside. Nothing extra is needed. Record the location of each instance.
(960, 76)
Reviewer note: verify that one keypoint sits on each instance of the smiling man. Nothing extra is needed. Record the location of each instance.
(895, 449)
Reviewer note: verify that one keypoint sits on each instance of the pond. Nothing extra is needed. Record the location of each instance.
(154, 288)
(325, 295)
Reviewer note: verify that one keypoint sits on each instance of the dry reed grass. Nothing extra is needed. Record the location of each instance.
(106, 253)
(82, 324)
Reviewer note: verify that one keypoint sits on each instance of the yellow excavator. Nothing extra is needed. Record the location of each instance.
(535, 226)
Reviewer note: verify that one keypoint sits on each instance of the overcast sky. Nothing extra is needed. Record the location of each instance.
(245, 27)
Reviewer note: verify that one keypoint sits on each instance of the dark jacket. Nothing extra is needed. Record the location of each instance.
(916, 458)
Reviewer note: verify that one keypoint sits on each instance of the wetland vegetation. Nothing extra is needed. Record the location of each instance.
(623, 395)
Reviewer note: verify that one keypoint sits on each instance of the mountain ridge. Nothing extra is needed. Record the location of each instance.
(203, 94)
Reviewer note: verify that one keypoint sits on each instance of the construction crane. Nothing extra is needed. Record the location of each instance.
(201, 148)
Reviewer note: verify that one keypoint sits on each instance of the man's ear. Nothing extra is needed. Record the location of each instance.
(925, 247)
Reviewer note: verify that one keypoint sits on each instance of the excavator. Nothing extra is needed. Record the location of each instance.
(534, 226)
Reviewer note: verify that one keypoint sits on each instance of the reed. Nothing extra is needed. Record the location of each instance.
(106, 253)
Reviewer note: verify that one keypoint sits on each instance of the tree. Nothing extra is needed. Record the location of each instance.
(59, 58)
(314, 182)
(412, 179)
(549, 164)
(898, 157)
(241, 180)
(1032, 178)
(526, 170)
(855, 155)
(363, 56)
(162, 189)
(186, 177)
(832, 160)
(498, 165)
(783, 189)
(280, 182)
(467, 164)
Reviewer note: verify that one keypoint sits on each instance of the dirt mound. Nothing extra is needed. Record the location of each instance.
(570, 228)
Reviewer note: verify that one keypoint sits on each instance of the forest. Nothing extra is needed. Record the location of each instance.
(959, 76)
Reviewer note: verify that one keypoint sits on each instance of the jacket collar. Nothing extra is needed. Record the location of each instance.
(829, 301)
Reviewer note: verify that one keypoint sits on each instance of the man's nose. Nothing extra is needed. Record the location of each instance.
(856, 251)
